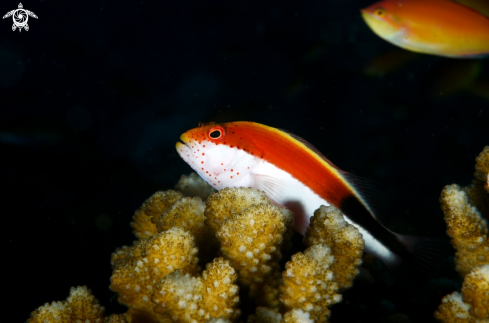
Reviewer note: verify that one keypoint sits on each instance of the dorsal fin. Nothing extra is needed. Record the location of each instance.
(312, 148)
(368, 190)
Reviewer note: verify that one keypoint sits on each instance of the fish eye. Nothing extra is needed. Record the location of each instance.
(216, 133)
(379, 12)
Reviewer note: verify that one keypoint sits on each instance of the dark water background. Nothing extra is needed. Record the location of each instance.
(94, 96)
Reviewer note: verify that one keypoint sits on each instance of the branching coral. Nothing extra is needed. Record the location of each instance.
(482, 168)
(467, 229)
(80, 306)
(308, 285)
(251, 241)
(145, 217)
(138, 268)
(472, 305)
(328, 226)
(469, 233)
(242, 235)
(192, 185)
(191, 299)
(479, 188)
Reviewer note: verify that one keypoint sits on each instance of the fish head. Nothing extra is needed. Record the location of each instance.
(214, 152)
(383, 18)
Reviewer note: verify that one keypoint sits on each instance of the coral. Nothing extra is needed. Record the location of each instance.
(221, 206)
(297, 316)
(138, 268)
(469, 232)
(251, 241)
(191, 299)
(453, 309)
(144, 218)
(193, 185)
(472, 305)
(267, 315)
(479, 187)
(80, 306)
(475, 292)
(188, 213)
(482, 167)
(467, 229)
(158, 278)
(308, 284)
(328, 226)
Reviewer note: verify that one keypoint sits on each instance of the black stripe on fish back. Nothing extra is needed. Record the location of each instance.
(359, 214)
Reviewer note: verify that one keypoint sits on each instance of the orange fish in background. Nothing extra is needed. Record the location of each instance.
(437, 27)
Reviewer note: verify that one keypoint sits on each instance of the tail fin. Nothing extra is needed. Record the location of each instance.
(427, 253)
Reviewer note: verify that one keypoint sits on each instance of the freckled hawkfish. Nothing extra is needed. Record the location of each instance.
(292, 173)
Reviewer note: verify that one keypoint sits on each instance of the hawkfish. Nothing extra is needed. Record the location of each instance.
(294, 174)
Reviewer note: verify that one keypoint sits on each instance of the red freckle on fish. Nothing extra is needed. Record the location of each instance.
(232, 146)
(210, 174)
(214, 184)
(192, 146)
(224, 169)
(203, 146)
(248, 168)
(222, 164)
(218, 181)
(206, 171)
(202, 168)
(201, 162)
(203, 154)
(237, 174)
(231, 170)
(215, 177)
(231, 177)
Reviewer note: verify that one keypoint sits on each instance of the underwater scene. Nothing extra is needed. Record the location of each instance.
(245, 161)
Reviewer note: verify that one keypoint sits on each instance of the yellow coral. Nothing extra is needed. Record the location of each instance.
(470, 306)
(193, 185)
(453, 310)
(158, 277)
(220, 206)
(251, 238)
(297, 316)
(80, 306)
(467, 229)
(143, 222)
(191, 299)
(251, 241)
(265, 315)
(328, 226)
(188, 213)
(475, 292)
(479, 187)
(138, 268)
(482, 167)
(308, 283)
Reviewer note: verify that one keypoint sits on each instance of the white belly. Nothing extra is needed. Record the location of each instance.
(290, 192)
